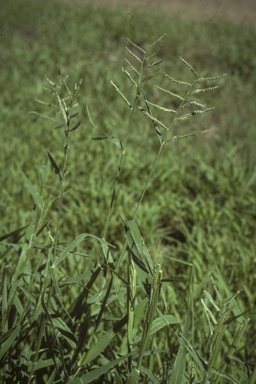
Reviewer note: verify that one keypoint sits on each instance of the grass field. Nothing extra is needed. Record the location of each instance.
(73, 319)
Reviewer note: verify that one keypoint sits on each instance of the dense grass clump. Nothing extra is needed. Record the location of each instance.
(127, 245)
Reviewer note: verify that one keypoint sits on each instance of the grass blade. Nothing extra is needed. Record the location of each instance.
(37, 198)
(74, 243)
(180, 361)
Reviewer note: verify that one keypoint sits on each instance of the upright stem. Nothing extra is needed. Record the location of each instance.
(119, 168)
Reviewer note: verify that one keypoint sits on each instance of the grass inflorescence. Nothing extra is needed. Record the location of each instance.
(127, 239)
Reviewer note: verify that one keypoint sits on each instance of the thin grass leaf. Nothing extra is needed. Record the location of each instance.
(134, 376)
(4, 327)
(161, 108)
(18, 231)
(189, 66)
(9, 342)
(152, 377)
(41, 364)
(139, 48)
(153, 301)
(48, 315)
(170, 93)
(143, 273)
(102, 343)
(157, 324)
(58, 172)
(37, 198)
(177, 81)
(153, 118)
(42, 173)
(98, 372)
(180, 361)
(140, 245)
(67, 334)
(78, 278)
(103, 306)
(133, 55)
(81, 300)
(225, 376)
(198, 360)
(121, 94)
(157, 41)
(74, 243)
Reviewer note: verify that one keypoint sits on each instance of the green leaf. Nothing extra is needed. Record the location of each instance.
(98, 348)
(158, 324)
(180, 361)
(142, 269)
(141, 246)
(9, 342)
(150, 375)
(134, 376)
(74, 243)
(18, 231)
(97, 372)
(37, 198)
(77, 279)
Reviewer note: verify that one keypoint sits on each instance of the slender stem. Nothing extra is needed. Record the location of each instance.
(119, 169)
(148, 179)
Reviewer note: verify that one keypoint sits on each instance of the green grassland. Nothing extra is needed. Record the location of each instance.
(198, 212)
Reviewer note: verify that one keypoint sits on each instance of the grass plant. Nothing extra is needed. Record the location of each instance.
(146, 274)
